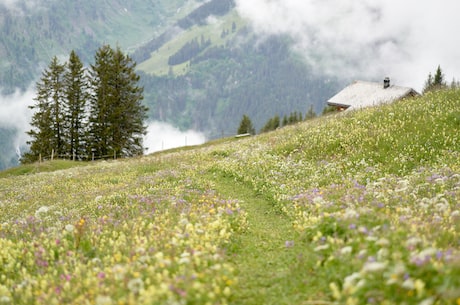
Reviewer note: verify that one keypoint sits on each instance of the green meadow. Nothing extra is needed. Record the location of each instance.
(360, 207)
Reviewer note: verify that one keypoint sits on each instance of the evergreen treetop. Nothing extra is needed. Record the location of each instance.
(82, 114)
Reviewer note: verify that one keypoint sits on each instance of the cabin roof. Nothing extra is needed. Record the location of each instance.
(363, 94)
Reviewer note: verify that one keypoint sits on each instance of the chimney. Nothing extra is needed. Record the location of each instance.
(386, 82)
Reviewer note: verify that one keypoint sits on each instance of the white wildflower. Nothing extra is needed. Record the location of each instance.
(41, 211)
(136, 285)
(382, 242)
(382, 254)
(69, 228)
(318, 200)
(429, 301)
(322, 247)
(373, 267)
(350, 213)
(184, 258)
(408, 284)
(346, 250)
(349, 284)
(424, 254)
(413, 241)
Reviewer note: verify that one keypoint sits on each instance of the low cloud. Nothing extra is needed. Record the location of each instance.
(161, 136)
(351, 39)
(19, 5)
(15, 114)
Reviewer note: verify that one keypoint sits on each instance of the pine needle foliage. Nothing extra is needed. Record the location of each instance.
(82, 113)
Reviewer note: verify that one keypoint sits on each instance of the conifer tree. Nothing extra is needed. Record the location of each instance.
(76, 92)
(310, 114)
(117, 114)
(47, 134)
(100, 112)
(436, 82)
(246, 126)
(101, 102)
(272, 124)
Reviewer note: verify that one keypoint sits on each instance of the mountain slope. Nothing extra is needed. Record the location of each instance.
(201, 66)
(371, 195)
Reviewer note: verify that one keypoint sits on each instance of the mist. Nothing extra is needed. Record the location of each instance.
(161, 136)
(18, 5)
(15, 114)
(366, 39)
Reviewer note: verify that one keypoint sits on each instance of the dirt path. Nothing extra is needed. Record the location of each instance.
(268, 255)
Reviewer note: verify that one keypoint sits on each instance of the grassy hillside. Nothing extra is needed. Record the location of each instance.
(157, 64)
(356, 208)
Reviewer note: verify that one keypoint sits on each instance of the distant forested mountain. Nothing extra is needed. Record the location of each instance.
(224, 83)
(201, 65)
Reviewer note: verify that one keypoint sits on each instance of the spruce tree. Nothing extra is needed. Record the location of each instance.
(47, 122)
(76, 92)
(116, 111)
(436, 82)
(310, 114)
(101, 102)
(246, 126)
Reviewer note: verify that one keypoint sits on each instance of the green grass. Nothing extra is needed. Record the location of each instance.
(267, 254)
(158, 63)
(47, 166)
(356, 208)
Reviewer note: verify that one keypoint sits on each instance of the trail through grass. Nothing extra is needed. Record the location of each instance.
(267, 256)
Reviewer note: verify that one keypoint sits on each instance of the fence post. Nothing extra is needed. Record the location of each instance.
(52, 154)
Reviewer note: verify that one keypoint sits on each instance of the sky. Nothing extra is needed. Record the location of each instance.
(366, 39)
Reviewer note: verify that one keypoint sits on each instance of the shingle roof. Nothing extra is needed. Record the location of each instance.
(363, 94)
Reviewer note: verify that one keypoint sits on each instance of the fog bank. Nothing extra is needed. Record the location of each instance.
(366, 39)
(161, 136)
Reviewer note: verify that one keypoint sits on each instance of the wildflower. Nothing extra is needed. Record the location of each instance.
(413, 242)
(322, 247)
(408, 284)
(184, 258)
(103, 300)
(419, 287)
(289, 243)
(428, 301)
(349, 285)
(69, 228)
(335, 291)
(346, 250)
(373, 267)
(42, 210)
(136, 285)
(382, 242)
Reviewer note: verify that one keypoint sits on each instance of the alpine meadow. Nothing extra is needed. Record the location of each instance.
(360, 207)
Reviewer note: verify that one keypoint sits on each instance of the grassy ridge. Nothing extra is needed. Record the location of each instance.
(357, 208)
(158, 62)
